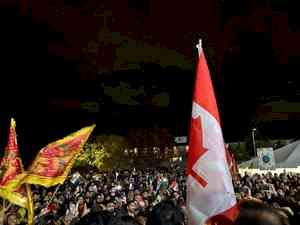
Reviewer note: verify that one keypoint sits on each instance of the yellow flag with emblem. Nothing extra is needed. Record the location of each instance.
(53, 162)
(10, 168)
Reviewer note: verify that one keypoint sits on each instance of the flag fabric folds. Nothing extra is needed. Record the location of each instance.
(53, 162)
(10, 167)
(235, 168)
(231, 160)
(209, 184)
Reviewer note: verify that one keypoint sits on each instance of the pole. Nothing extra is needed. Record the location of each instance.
(30, 208)
(56, 189)
(4, 209)
(48, 203)
(2, 213)
(253, 140)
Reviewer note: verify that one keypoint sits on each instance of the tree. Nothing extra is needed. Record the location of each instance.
(104, 152)
(241, 151)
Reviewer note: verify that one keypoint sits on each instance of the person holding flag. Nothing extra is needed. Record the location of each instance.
(50, 167)
(210, 194)
(11, 166)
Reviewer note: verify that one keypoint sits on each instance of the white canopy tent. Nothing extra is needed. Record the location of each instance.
(285, 157)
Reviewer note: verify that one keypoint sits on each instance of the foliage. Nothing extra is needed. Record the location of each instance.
(107, 152)
(241, 151)
(104, 152)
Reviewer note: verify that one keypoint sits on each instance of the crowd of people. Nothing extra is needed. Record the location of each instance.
(121, 194)
(148, 197)
(280, 191)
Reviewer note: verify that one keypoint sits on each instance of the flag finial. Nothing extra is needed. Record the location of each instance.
(12, 122)
(199, 46)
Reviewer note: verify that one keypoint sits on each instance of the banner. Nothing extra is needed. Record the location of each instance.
(11, 167)
(53, 162)
(266, 158)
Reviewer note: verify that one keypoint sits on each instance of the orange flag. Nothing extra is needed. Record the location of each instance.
(53, 162)
(10, 167)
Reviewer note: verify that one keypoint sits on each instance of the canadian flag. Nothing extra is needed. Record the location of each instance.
(210, 191)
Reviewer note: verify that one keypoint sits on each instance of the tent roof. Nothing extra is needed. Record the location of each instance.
(285, 157)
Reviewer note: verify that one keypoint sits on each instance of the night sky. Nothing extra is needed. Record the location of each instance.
(124, 64)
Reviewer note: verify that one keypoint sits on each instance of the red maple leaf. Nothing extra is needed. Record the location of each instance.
(196, 149)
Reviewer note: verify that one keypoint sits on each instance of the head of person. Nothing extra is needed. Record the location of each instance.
(257, 213)
(141, 220)
(107, 198)
(35, 197)
(280, 192)
(100, 198)
(166, 213)
(123, 220)
(72, 206)
(130, 195)
(140, 201)
(132, 208)
(145, 194)
(12, 219)
(110, 207)
(89, 194)
(92, 219)
(246, 192)
(80, 200)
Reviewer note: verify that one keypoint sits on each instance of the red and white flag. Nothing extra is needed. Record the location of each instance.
(174, 185)
(210, 191)
(231, 161)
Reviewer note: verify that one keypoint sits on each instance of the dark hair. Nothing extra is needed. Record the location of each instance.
(256, 213)
(91, 219)
(123, 220)
(166, 213)
(129, 202)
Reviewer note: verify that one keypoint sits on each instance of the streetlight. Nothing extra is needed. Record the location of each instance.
(253, 140)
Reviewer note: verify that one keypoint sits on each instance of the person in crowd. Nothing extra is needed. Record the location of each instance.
(123, 220)
(257, 213)
(166, 213)
(145, 194)
(98, 205)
